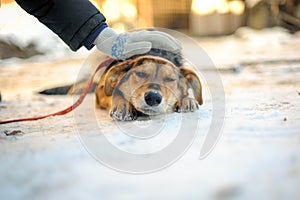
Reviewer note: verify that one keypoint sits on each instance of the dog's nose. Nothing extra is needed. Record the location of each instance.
(153, 98)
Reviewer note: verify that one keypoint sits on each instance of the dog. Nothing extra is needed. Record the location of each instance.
(150, 84)
(143, 85)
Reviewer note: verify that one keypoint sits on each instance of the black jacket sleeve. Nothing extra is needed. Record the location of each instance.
(72, 20)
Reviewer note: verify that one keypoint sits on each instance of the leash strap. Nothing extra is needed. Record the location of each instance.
(104, 63)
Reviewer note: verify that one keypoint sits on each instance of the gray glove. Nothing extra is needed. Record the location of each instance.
(124, 45)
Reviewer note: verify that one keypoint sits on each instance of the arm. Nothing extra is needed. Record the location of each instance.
(76, 22)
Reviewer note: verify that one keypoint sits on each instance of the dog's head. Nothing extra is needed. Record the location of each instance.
(153, 85)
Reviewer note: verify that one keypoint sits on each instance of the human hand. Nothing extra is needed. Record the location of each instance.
(124, 45)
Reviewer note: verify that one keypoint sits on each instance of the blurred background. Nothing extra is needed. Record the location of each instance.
(202, 17)
(193, 17)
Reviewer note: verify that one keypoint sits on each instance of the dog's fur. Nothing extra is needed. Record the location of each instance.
(149, 84)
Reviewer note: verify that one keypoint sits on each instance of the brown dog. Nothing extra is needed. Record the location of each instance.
(150, 84)
(147, 85)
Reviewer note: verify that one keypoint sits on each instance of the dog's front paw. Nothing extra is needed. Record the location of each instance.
(187, 104)
(124, 112)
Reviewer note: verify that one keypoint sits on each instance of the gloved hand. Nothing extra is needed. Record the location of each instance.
(124, 45)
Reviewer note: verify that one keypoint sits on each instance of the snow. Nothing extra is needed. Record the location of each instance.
(257, 156)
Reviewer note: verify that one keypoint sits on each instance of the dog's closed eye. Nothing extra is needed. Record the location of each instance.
(141, 74)
(169, 79)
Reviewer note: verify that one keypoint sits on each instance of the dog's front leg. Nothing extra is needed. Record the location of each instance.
(187, 104)
(122, 109)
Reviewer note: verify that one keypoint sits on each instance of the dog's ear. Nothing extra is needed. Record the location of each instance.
(114, 75)
(194, 83)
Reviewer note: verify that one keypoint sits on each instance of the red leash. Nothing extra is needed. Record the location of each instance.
(104, 63)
